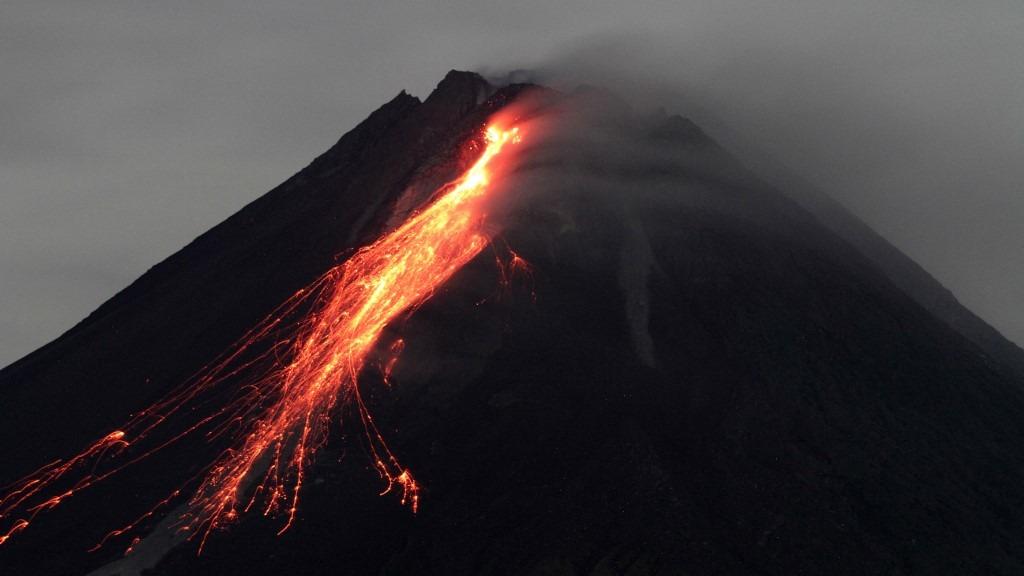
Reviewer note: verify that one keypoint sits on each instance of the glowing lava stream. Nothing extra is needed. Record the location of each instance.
(284, 416)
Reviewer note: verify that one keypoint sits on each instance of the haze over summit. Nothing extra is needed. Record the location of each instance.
(130, 130)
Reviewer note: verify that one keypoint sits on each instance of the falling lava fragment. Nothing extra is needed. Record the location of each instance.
(283, 419)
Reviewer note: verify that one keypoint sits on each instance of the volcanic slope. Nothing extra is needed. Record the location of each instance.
(694, 377)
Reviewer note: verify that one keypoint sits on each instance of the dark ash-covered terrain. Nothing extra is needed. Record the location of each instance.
(701, 376)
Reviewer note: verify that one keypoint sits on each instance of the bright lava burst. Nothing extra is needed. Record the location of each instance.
(281, 416)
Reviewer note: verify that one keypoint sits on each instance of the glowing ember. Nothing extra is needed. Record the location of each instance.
(281, 416)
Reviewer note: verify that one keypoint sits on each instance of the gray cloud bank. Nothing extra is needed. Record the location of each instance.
(128, 129)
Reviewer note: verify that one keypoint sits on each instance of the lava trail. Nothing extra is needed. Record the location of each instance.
(280, 414)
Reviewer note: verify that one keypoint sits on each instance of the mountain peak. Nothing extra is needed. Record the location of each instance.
(459, 92)
(696, 375)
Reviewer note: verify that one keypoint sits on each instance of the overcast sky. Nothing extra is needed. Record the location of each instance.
(129, 128)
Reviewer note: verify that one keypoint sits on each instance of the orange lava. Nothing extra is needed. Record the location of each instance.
(280, 417)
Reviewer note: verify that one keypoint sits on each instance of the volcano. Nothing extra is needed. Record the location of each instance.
(661, 363)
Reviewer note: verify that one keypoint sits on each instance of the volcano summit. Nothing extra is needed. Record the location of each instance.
(571, 338)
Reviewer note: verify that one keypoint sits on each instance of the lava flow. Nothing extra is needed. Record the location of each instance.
(280, 416)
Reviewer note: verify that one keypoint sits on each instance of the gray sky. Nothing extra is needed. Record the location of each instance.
(129, 128)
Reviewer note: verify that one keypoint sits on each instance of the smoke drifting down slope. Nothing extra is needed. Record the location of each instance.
(699, 377)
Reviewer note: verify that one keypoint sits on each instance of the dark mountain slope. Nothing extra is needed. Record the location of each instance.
(708, 381)
(906, 274)
(188, 308)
